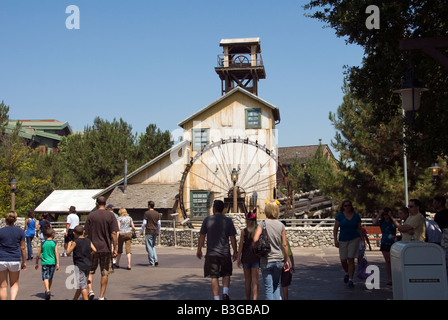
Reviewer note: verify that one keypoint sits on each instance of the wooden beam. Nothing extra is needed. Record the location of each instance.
(428, 46)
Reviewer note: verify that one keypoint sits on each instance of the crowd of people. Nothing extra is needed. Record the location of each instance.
(100, 243)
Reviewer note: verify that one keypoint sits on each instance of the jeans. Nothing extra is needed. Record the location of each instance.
(29, 246)
(272, 272)
(150, 241)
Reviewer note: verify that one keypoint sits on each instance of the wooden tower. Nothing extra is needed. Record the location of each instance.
(240, 64)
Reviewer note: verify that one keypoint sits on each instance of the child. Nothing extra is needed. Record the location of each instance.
(48, 252)
(82, 249)
(286, 276)
(247, 259)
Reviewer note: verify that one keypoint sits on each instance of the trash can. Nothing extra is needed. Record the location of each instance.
(418, 271)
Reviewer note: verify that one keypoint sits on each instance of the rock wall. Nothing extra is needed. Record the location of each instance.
(183, 237)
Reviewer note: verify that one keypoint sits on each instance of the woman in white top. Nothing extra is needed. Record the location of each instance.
(272, 265)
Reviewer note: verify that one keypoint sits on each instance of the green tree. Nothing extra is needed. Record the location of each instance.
(384, 64)
(16, 161)
(152, 143)
(318, 173)
(95, 158)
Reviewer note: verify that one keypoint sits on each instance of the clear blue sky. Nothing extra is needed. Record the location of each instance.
(152, 61)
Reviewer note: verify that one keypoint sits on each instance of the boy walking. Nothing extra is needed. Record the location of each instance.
(48, 252)
(82, 249)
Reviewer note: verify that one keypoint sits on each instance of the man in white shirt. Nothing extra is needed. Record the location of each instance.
(72, 222)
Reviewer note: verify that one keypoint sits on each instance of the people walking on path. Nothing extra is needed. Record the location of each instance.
(12, 256)
(82, 249)
(101, 228)
(151, 228)
(219, 230)
(414, 228)
(348, 225)
(72, 222)
(247, 259)
(30, 231)
(125, 236)
(48, 253)
(388, 225)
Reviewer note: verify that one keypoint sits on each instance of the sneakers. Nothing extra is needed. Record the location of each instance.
(47, 295)
(91, 295)
(351, 284)
(225, 297)
(346, 278)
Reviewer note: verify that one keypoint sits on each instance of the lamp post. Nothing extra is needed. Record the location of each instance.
(410, 92)
(435, 171)
(234, 177)
(13, 185)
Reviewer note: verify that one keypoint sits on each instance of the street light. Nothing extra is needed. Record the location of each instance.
(13, 185)
(435, 171)
(234, 177)
(410, 92)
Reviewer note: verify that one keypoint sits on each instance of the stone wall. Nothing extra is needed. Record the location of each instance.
(184, 237)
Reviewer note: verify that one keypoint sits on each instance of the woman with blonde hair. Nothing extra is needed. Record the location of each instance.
(125, 237)
(12, 256)
(273, 264)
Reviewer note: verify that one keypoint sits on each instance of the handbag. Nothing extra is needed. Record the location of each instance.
(134, 235)
(263, 246)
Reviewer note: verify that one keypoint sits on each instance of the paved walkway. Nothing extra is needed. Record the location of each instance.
(179, 276)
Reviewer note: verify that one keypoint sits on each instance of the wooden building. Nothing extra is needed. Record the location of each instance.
(228, 149)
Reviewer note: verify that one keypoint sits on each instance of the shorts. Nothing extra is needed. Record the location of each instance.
(349, 249)
(385, 247)
(104, 259)
(255, 265)
(125, 238)
(48, 271)
(286, 278)
(70, 236)
(12, 266)
(215, 267)
(82, 277)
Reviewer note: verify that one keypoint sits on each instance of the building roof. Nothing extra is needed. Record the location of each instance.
(239, 40)
(59, 201)
(274, 109)
(302, 153)
(30, 129)
(138, 195)
(174, 149)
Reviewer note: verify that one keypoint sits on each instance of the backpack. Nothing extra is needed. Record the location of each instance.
(263, 246)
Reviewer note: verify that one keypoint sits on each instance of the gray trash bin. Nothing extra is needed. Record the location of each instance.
(418, 271)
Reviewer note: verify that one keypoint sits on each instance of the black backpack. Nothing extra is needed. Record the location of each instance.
(263, 246)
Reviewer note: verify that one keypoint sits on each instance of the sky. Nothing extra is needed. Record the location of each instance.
(152, 61)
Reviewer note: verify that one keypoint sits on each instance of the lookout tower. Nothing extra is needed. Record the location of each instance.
(240, 64)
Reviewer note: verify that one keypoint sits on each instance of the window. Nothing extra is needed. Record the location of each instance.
(253, 118)
(200, 138)
(200, 203)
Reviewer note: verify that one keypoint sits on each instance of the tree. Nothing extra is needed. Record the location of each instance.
(384, 64)
(152, 143)
(16, 161)
(318, 173)
(95, 158)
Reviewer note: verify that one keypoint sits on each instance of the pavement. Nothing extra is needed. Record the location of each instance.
(179, 276)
